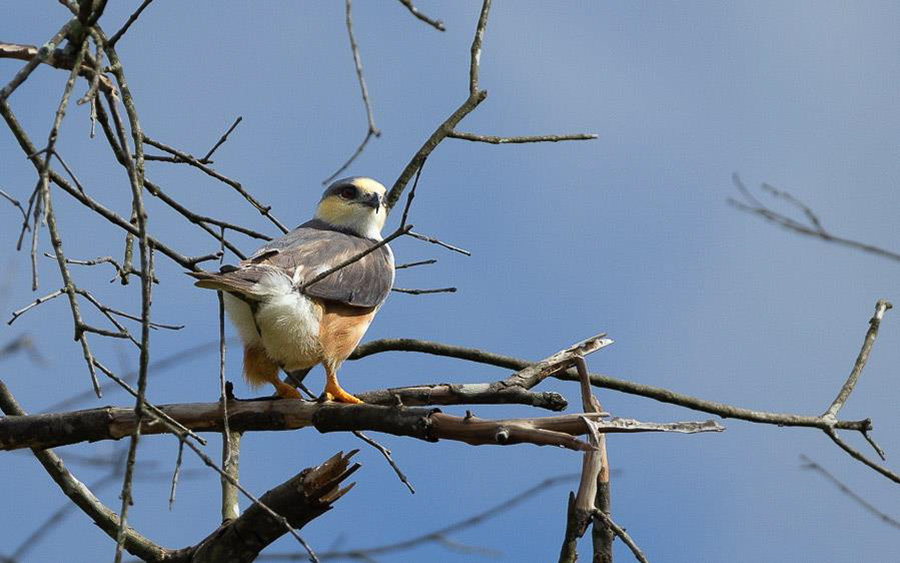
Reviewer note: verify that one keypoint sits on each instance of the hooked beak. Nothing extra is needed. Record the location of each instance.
(373, 201)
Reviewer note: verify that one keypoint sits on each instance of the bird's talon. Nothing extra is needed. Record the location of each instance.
(338, 395)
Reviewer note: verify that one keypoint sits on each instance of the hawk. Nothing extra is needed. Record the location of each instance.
(284, 325)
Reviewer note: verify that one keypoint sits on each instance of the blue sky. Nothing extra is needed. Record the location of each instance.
(629, 234)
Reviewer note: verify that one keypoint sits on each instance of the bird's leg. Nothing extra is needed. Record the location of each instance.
(259, 368)
(285, 391)
(333, 391)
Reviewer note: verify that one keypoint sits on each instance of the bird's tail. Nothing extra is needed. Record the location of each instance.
(234, 280)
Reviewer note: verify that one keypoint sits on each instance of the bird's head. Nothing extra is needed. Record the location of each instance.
(355, 204)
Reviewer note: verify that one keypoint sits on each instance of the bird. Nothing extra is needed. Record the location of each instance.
(286, 325)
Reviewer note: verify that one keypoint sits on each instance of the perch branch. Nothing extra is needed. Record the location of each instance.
(113, 423)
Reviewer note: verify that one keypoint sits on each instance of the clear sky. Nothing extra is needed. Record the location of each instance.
(629, 234)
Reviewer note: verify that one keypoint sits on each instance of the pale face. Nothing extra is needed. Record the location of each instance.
(356, 204)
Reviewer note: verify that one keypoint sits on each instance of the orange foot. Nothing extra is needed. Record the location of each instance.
(286, 391)
(333, 392)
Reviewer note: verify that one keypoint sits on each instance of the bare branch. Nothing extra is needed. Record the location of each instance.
(304, 497)
(855, 454)
(623, 535)
(131, 19)
(424, 291)
(433, 240)
(16, 203)
(475, 98)
(112, 423)
(606, 382)
(221, 140)
(18, 313)
(812, 465)
(79, 494)
(39, 56)
(437, 24)
(494, 140)
(435, 535)
(231, 441)
(861, 359)
(494, 393)
(263, 210)
(414, 264)
(531, 375)
(388, 457)
(356, 257)
(371, 130)
(475, 51)
(814, 229)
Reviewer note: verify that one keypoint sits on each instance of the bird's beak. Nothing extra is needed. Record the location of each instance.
(373, 201)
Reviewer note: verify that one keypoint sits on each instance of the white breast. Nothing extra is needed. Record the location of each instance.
(288, 323)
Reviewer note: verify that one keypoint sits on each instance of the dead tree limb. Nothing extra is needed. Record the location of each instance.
(300, 499)
(113, 423)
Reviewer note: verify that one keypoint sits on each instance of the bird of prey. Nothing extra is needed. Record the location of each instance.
(285, 325)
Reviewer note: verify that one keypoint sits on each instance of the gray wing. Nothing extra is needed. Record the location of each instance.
(313, 248)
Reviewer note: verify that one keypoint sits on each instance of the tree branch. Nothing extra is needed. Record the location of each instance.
(607, 382)
(437, 24)
(814, 229)
(113, 423)
(300, 499)
(78, 493)
(495, 140)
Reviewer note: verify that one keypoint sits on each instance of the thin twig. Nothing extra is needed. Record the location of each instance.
(414, 264)
(495, 140)
(437, 24)
(356, 257)
(754, 206)
(861, 359)
(221, 140)
(387, 456)
(855, 454)
(475, 98)
(433, 240)
(175, 475)
(463, 524)
(16, 203)
(371, 129)
(39, 57)
(135, 169)
(623, 535)
(80, 495)
(131, 19)
(423, 291)
(810, 464)
(18, 313)
(230, 442)
(263, 210)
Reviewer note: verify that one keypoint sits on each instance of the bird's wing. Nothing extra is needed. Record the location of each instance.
(307, 251)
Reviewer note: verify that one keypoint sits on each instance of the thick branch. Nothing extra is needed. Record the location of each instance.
(81, 496)
(302, 498)
(113, 423)
(464, 393)
(58, 58)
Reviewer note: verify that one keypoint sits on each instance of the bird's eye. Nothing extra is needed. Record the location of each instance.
(348, 193)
